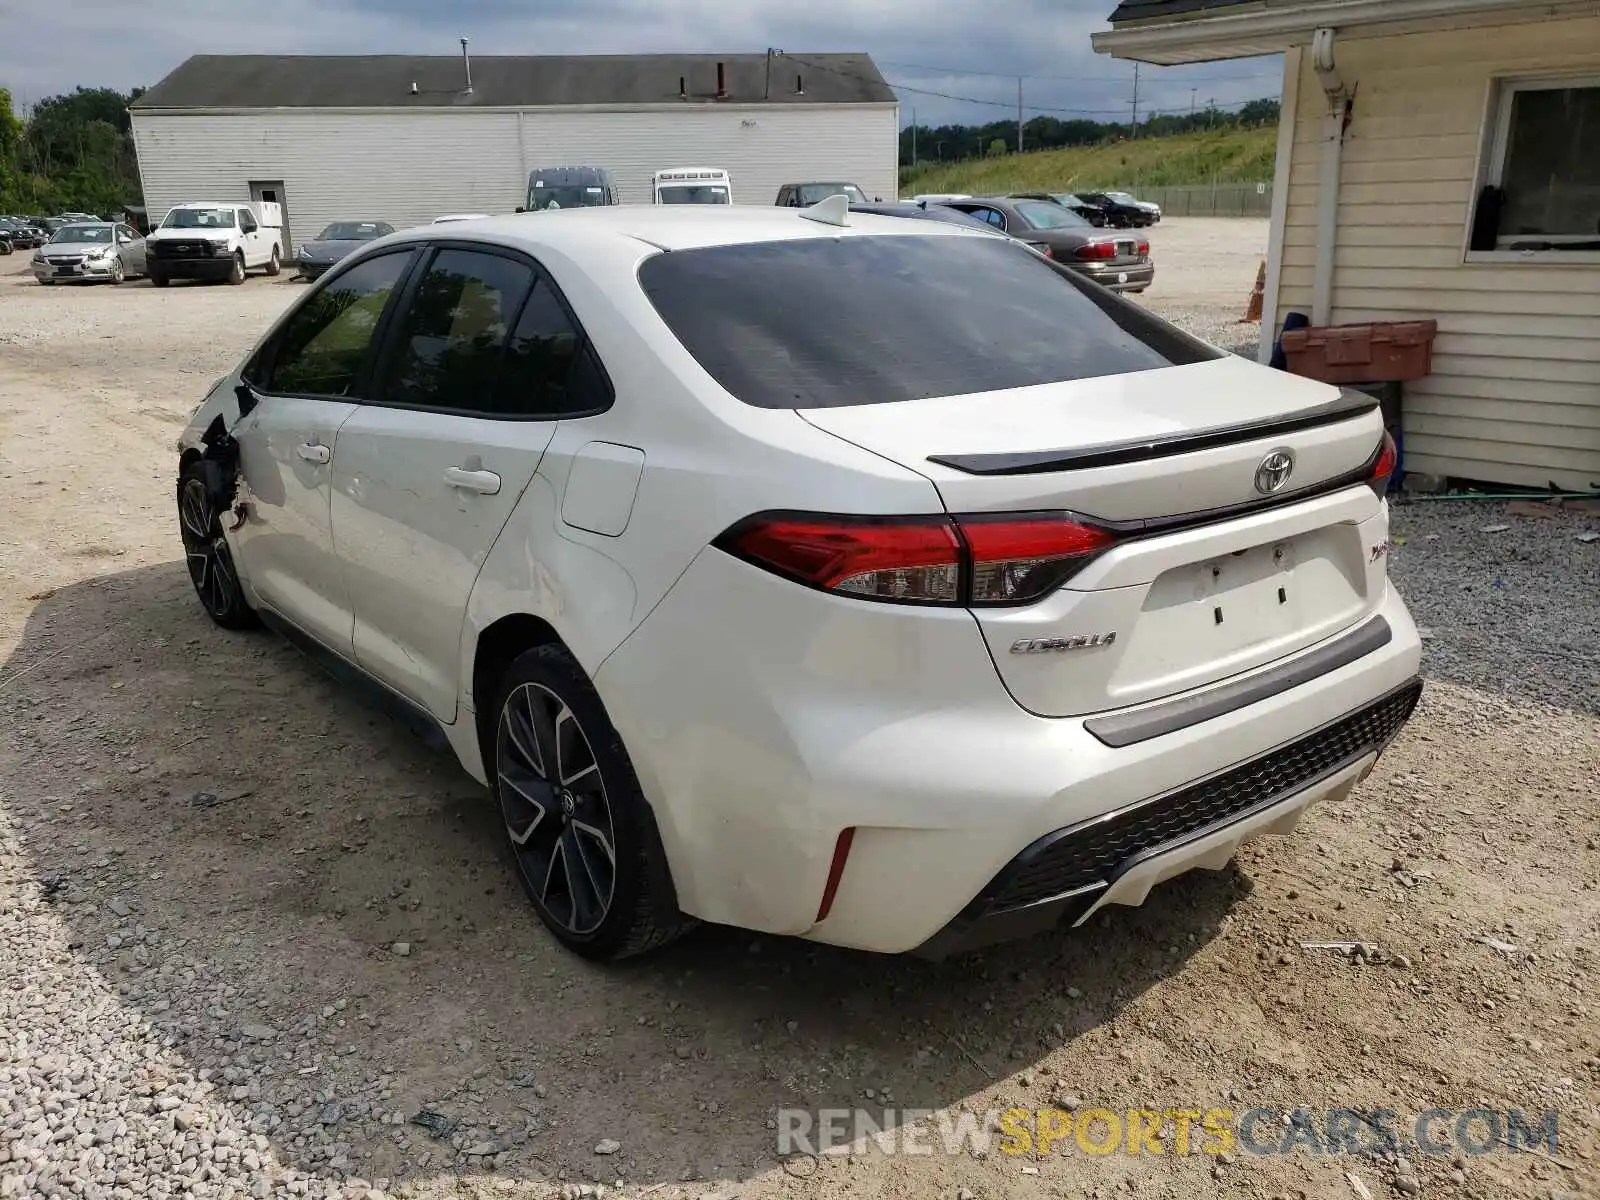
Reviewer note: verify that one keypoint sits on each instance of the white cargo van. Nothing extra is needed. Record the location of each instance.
(692, 185)
(216, 239)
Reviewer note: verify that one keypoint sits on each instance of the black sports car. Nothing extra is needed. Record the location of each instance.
(336, 241)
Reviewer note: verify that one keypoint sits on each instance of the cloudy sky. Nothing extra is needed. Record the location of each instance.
(947, 57)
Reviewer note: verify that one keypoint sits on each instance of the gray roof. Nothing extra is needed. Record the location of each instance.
(385, 80)
(1155, 10)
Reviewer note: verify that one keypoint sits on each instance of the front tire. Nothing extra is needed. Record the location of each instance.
(117, 272)
(236, 274)
(157, 279)
(578, 827)
(210, 562)
(273, 265)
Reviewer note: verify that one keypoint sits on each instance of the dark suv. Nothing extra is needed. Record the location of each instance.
(803, 195)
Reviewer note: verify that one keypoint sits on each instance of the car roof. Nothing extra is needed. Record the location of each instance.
(683, 227)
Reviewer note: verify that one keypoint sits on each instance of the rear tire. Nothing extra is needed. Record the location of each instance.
(236, 274)
(273, 265)
(157, 279)
(578, 828)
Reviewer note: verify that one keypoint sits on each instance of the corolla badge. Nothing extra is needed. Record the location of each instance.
(1274, 471)
(1081, 641)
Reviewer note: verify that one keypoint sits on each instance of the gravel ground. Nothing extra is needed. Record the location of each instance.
(1507, 594)
(1205, 271)
(251, 933)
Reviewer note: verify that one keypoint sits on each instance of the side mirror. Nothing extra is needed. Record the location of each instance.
(246, 396)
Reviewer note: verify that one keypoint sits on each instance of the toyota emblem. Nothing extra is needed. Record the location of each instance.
(1274, 471)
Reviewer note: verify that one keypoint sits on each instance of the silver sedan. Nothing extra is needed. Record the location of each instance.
(91, 250)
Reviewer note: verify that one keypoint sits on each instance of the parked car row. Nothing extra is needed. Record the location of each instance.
(23, 233)
(1121, 263)
(223, 240)
(215, 240)
(1118, 210)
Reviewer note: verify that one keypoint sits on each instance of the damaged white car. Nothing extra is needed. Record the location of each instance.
(874, 581)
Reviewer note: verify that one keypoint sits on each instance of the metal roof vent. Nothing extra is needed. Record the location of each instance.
(722, 81)
(466, 61)
(799, 85)
(413, 87)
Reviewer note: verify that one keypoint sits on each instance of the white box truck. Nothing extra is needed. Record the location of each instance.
(216, 239)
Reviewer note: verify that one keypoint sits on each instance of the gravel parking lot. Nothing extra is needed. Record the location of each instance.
(251, 931)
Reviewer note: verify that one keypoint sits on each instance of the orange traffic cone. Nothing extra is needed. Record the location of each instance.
(1258, 296)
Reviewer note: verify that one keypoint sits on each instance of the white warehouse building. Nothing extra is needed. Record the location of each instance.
(404, 139)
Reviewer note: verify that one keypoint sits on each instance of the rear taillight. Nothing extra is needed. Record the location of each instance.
(1017, 559)
(1383, 465)
(1096, 251)
(912, 559)
(981, 560)
(1144, 249)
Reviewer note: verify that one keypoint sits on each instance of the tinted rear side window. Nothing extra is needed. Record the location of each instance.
(831, 322)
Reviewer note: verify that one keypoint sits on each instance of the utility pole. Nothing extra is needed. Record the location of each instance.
(1019, 114)
(766, 93)
(1135, 130)
(913, 137)
(1194, 94)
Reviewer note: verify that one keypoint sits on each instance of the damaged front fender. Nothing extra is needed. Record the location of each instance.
(219, 470)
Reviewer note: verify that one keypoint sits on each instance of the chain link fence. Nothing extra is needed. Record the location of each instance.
(1210, 200)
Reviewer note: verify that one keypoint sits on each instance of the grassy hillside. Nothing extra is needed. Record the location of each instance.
(1223, 156)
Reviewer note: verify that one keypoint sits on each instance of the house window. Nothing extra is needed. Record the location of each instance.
(1543, 168)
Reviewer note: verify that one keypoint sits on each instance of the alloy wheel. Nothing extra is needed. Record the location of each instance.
(556, 811)
(210, 564)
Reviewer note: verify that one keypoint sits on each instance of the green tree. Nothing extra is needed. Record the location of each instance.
(75, 151)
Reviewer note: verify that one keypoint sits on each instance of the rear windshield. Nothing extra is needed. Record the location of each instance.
(814, 193)
(834, 322)
(1047, 214)
(542, 196)
(682, 193)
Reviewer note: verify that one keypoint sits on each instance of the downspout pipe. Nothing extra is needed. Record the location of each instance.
(1340, 99)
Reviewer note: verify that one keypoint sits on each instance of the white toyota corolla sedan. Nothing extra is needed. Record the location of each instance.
(874, 581)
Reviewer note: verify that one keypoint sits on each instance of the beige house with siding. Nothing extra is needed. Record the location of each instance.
(1436, 159)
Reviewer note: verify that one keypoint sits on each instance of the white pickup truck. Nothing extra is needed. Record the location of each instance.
(216, 239)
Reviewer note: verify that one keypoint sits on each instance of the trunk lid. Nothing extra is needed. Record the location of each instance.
(1213, 577)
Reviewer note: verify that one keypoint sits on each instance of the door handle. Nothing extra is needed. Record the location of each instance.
(484, 482)
(315, 452)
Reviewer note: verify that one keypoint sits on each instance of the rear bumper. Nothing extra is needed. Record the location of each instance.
(1065, 876)
(760, 736)
(1118, 279)
(314, 270)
